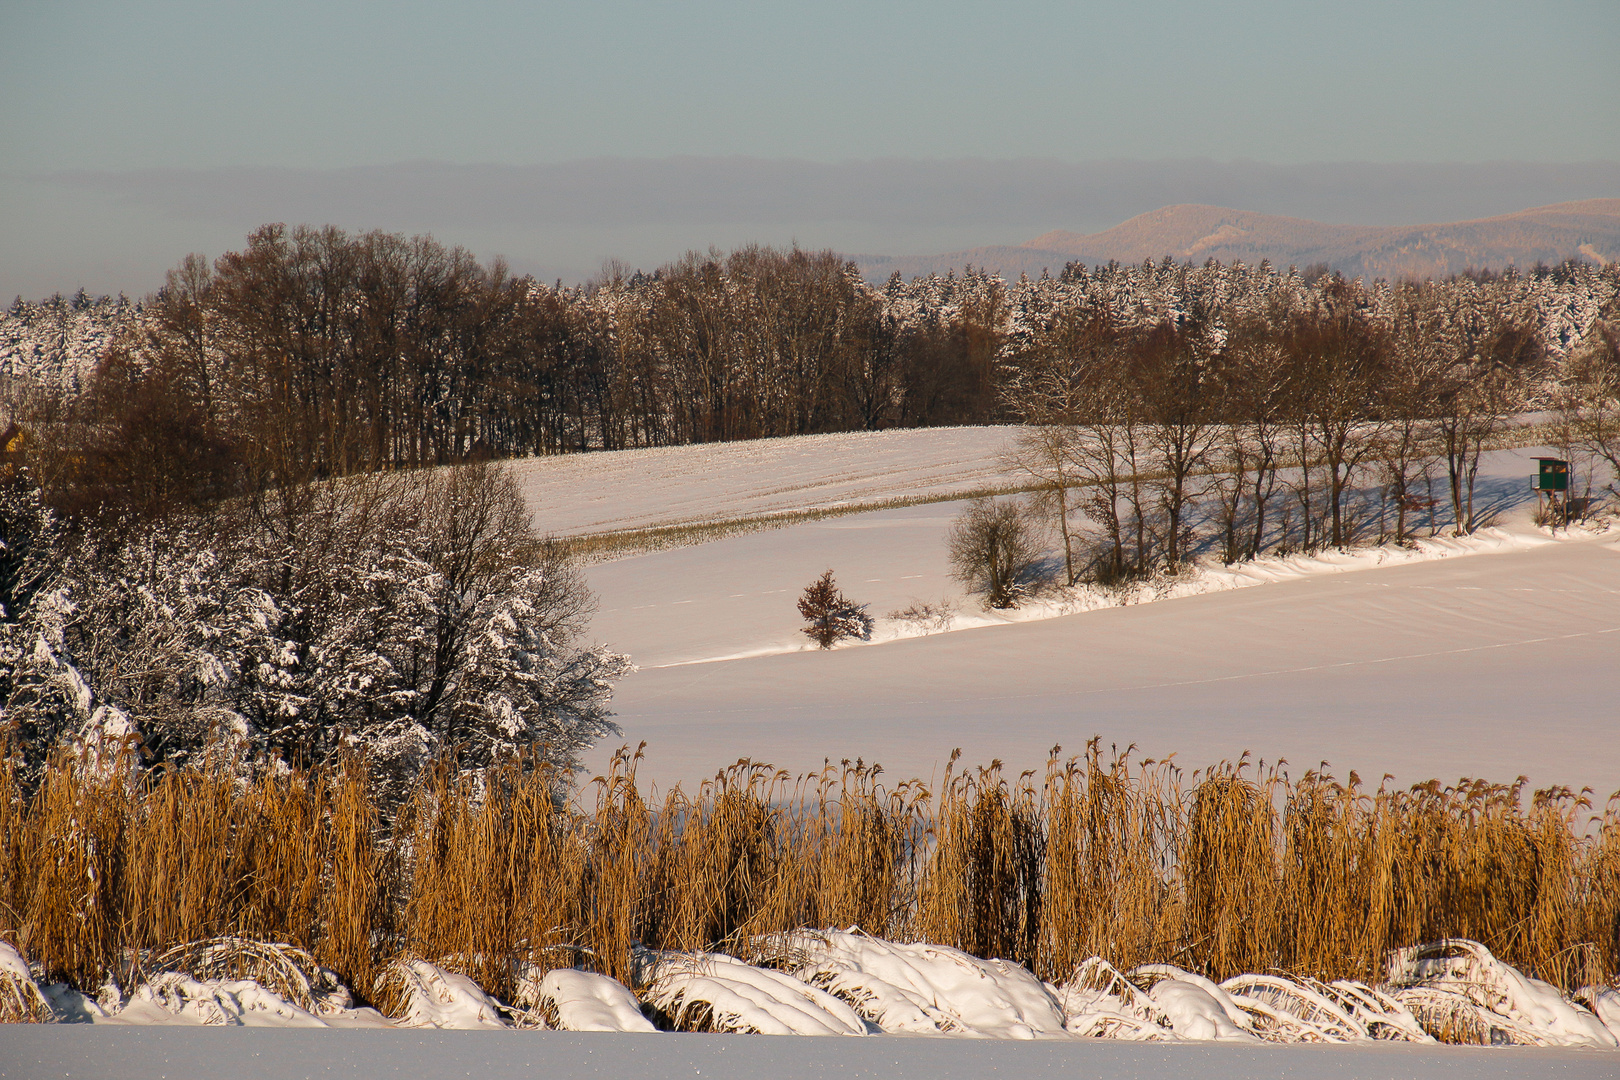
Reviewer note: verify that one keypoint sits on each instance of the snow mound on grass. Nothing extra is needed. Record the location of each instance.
(285, 970)
(174, 997)
(715, 992)
(1101, 1003)
(1209, 575)
(926, 988)
(1196, 1007)
(436, 998)
(1382, 1016)
(21, 999)
(571, 1000)
(1289, 1011)
(1604, 1001)
(1461, 993)
(227, 980)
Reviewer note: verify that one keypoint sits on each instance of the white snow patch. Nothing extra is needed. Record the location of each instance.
(1099, 1002)
(176, 998)
(575, 494)
(1196, 1007)
(1201, 578)
(21, 998)
(1604, 1001)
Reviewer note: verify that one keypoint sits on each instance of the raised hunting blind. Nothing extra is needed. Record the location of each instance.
(1554, 475)
(1551, 483)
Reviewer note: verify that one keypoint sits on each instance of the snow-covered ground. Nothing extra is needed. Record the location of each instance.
(1418, 664)
(37, 1052)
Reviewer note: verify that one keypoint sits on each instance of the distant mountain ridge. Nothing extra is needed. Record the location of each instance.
(1588, 229)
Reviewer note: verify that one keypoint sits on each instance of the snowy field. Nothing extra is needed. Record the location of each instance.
(37, 1052)
(575, 494)
(1488, 657)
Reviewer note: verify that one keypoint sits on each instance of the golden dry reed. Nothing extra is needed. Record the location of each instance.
(1233, 868)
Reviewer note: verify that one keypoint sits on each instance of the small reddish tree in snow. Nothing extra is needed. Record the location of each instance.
(830, 615)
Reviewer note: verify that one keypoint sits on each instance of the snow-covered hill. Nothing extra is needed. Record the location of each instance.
(1588, 230)
(580, 494)
(1488, 665)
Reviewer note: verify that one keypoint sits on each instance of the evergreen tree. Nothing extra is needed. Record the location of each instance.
(830, 616)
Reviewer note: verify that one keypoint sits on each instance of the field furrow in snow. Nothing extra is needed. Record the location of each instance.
(636, 489)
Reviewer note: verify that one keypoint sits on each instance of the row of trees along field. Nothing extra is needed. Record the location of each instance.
(1289, 426)
(316, 352)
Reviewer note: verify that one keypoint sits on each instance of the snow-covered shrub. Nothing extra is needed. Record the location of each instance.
(1100, 1002)
(399, 615)
(42, 699)
(287, 971)
(217, 1002)
(1290, 1010)
(1195, 1006)
(1380, 1014)
(426, 995)
(923, 988)
(922, 617)
(716, 992)
(1604, 1001)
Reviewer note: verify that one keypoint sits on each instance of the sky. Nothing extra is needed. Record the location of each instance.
(560, 135)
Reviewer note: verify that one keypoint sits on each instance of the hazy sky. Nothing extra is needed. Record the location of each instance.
(131, 133)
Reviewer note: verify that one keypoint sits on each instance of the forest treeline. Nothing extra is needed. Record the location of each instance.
(314, 352)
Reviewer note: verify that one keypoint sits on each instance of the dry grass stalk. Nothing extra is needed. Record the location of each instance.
(981, 889)
(1334, 879)
(352, 911)
(1228, 872)
(496, 876)
(717, 859)
(867, 844)
(617, 840)
(1109, 849)
(16, 856)
(71, 918)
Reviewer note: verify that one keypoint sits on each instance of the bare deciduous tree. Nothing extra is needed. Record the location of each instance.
(992, 549)
(1046, 455)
